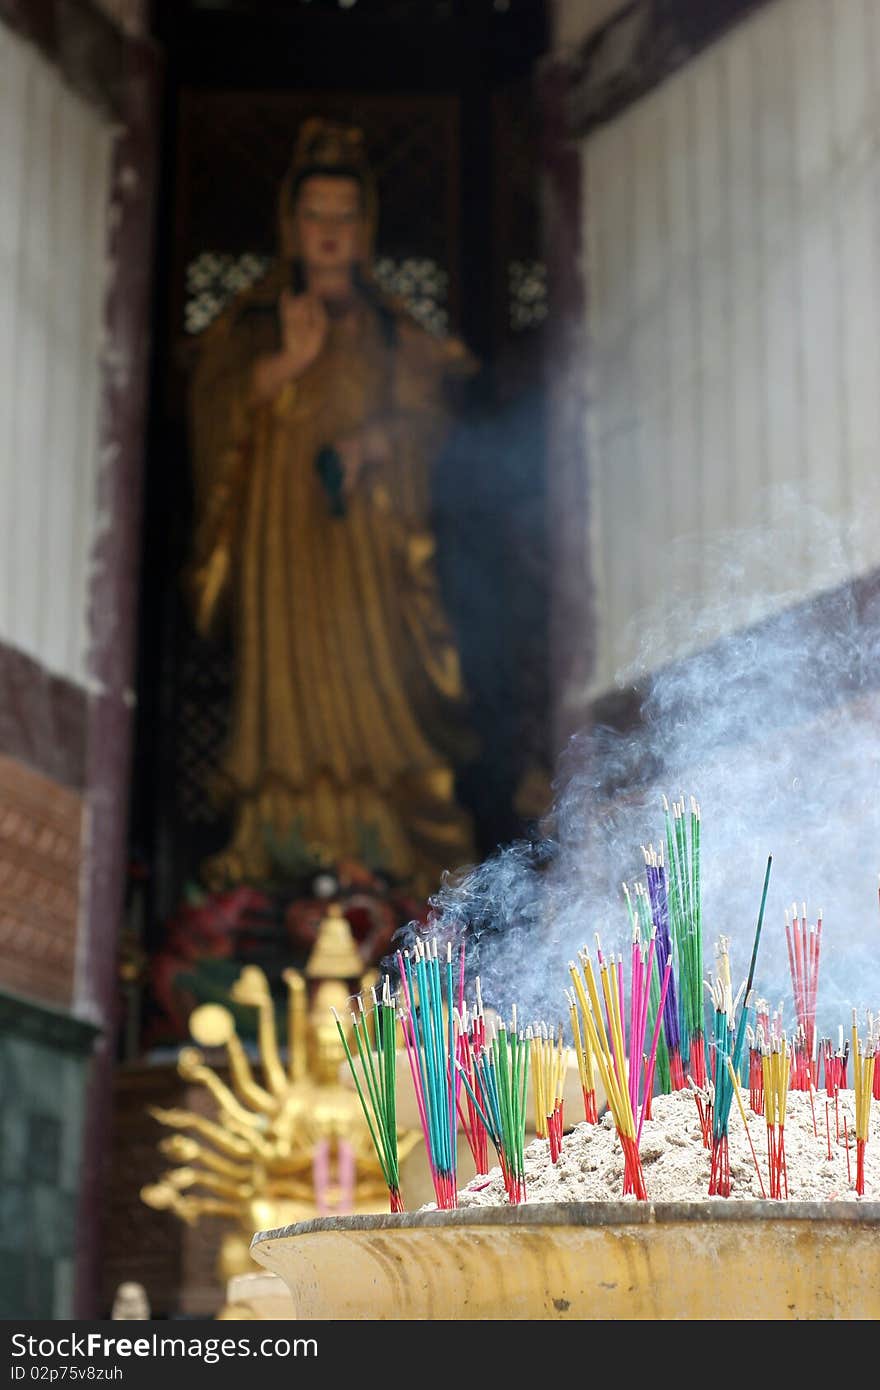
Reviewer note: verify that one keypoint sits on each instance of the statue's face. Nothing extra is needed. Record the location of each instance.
(330, 1053)
(329, 223)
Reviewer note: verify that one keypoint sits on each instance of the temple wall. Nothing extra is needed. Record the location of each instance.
(77, 115)
(715, 230)
(55, 160)
(734, 334)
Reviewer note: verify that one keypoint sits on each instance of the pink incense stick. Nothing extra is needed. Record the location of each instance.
(409, 1038)
(647, 972)
(637, 1029)
(652, 1058)
(634, 1006)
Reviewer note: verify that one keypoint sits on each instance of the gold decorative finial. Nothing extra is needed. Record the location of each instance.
(335, 955)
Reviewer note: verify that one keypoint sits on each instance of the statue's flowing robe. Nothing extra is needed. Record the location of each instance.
(348, 710)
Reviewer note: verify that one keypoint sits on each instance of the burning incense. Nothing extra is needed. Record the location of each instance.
(835, 1066)
(658, 1010)
(720, 1173)
(864, 1059)
(734, 1081)
(429, 1035)
(722, 998)
(502, 1070)
(686, 915)
(587, 994)
(754, 1038)
(549, 1063)
(651, 1060)
(655, 1020)
(586, 1065)
(776, 1079)
(621, 1068)
(803, 942)
(658, 913)
(471, 1041)
(378, 1074)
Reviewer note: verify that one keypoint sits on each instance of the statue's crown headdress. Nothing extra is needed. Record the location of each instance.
(333, 149)
(329, 147)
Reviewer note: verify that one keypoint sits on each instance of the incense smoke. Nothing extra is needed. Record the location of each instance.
(775, 731)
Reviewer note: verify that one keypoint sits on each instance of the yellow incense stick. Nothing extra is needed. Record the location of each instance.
(782, 1080)
(578, 1044)
(561, 1069)
(616, 1093)
(538, 1084)
(868, 1089)
(863, 1085)
(769, 1093)
(583, 987)
(620, 1053)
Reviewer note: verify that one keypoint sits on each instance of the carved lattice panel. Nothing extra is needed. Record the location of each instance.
(204, 686)
(527, 294)
(214, 277)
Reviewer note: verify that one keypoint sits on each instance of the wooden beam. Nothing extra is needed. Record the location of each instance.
(639, 47)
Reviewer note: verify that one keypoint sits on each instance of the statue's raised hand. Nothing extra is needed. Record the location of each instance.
(303, 329)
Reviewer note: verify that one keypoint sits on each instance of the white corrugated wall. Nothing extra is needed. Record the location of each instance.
(54, 176)
(733, 243)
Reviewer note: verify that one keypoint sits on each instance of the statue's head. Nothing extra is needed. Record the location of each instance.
(329, 1053)
(330, 995)
(328, 205)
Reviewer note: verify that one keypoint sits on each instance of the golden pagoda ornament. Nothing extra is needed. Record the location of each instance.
(292, 1142)
(335, 955)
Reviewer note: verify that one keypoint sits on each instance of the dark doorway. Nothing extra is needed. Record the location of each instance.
(446, 97)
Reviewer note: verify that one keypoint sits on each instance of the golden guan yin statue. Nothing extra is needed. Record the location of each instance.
(318, 405)
(291, 1145)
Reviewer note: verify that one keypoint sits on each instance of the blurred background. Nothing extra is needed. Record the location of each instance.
(655, 227)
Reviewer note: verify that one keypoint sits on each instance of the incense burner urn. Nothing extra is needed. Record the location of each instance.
(711, 1260)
